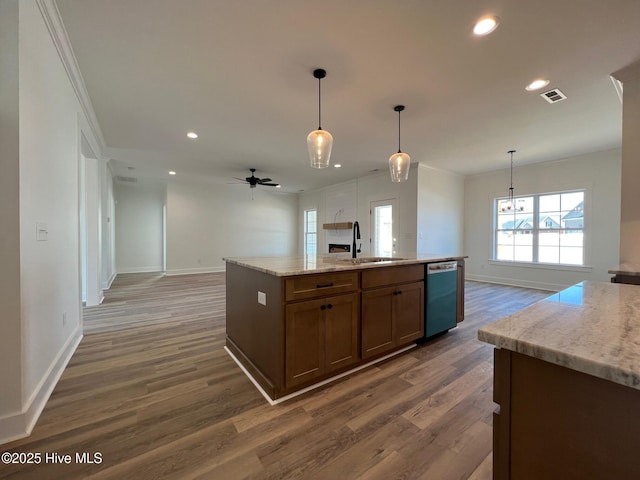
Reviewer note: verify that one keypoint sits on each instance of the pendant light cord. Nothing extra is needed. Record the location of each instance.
(399, 151)
(511, 152)
(319, 106)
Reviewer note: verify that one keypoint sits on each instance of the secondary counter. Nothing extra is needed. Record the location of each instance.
(567, 385)
(296, 322)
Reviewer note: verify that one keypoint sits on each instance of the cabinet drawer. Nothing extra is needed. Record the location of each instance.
(378, 277)
(311, 286)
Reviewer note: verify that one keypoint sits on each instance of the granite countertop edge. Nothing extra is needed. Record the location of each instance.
(570, 335)
(293, 266)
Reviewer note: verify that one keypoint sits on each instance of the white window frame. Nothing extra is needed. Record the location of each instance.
(536, 229)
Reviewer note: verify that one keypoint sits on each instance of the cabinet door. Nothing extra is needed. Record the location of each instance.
(408, 312)
(341, 330)
(377, 321)
(305, 341)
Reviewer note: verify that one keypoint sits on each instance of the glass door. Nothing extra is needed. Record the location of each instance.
(383, 228)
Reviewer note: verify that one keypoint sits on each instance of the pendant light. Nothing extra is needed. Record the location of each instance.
(510, 204)
(400, 162)
(319, 142)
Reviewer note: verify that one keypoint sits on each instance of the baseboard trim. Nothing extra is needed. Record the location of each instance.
(512, 282)
(107, 286)
(191, 271)
(141, 270)
(21, 424)
(273, 402)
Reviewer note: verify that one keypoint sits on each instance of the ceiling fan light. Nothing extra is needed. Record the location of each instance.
(399, 164)
(319, 143)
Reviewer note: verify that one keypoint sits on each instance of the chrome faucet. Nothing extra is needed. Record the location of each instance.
(356, 235)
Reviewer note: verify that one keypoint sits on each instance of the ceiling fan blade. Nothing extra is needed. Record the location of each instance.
(263, 180)
(241, 179)
(270, 184)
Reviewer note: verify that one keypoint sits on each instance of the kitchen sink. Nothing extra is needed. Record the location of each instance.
(358, 261)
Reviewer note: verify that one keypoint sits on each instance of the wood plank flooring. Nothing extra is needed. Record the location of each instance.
(152, 390)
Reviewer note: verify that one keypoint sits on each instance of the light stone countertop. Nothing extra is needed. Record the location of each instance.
(289, 266)
(631, 269)
(591, 327)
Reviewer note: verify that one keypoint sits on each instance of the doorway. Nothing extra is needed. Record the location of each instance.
(383, 227)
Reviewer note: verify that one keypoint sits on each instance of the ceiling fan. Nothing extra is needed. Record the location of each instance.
(253, 180)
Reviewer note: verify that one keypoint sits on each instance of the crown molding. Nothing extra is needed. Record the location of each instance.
(51, 16)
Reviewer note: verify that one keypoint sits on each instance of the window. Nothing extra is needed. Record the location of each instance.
(544, 228)
(310, 232)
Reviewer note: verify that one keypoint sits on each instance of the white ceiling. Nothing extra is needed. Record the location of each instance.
(239, 73)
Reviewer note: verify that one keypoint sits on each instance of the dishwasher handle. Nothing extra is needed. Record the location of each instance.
(434, 268)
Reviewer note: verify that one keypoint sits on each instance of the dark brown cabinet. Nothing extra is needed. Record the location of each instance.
(321, 336)
(392, 315)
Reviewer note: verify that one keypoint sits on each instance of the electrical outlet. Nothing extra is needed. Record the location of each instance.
(64, 319)
(262, 298)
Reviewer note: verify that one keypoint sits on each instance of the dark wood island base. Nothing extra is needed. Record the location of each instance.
(557, 423)
(290, 331)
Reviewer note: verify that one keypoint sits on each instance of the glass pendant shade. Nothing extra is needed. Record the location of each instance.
(319, 143)
(399, 164)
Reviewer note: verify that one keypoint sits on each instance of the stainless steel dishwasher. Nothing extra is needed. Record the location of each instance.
(441, 288)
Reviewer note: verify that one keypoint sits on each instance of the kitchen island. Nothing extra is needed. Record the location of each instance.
(567, 382)
(294, 323)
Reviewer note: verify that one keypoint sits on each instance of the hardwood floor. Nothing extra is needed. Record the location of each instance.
(151, 390)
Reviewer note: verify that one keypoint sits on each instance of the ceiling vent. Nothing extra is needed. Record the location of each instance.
(553, 96)
(120, 178)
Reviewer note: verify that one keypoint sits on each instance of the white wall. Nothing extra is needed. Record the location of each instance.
(630, 202)
(139, 236)
(50, 123)
(11, 364)
(598, 173)
(208, 222)
(107, 244)
(440, 211)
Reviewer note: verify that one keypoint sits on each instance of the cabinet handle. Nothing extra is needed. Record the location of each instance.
(330, 306)
(323, 307)
(324, 285)
(398, 292)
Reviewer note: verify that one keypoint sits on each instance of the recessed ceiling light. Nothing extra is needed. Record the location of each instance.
(338, 165)
(537, 84)
(171, 172)
(192, 135)
(486, 25)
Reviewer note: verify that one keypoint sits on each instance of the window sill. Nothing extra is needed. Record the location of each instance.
(543, 266)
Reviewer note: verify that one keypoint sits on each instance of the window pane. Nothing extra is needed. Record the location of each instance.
(549, 203)
(523, 247)
(524, 205)
(573, 210)
(504, 245)
(548, 254)
(572, 255)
